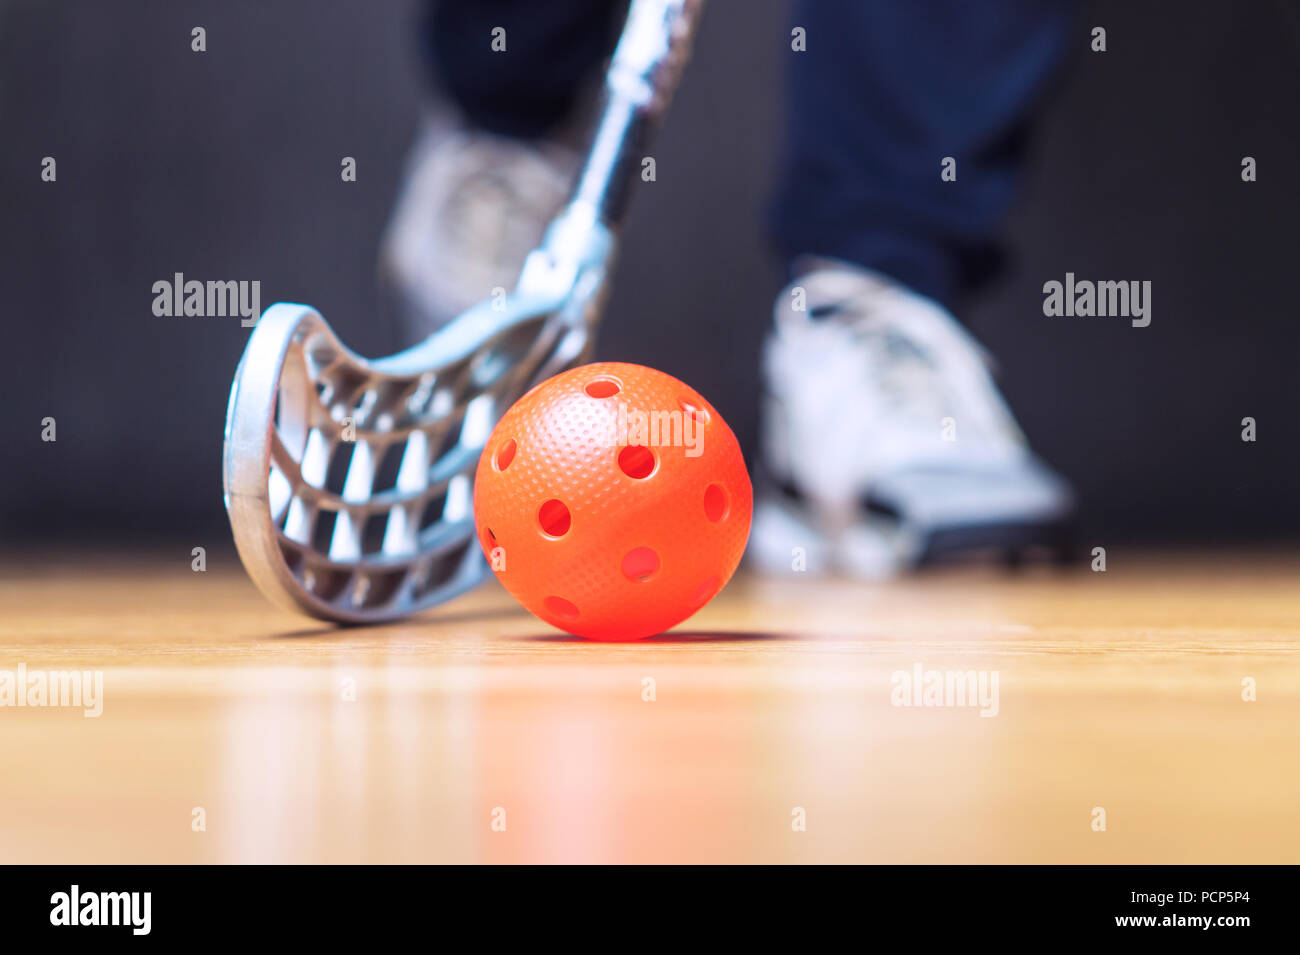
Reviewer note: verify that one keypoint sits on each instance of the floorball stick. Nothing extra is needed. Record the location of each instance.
(348, 481)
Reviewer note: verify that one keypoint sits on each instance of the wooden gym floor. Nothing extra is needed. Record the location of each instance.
(1119, 693)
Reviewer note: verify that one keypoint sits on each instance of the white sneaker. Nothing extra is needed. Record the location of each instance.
(886, 443)
(471, 206)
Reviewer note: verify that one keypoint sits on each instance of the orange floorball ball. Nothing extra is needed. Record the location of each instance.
(613, 501)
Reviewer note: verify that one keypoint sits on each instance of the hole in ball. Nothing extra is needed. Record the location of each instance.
(692, 410)
(561, 607)
(640, 564)
(705, 591)
(636, 462)
(715, 503)
(505, 454)
(554, 518)
(603, 388)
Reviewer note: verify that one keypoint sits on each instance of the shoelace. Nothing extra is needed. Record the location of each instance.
(920, 366)
(901, 373)
(488, 182)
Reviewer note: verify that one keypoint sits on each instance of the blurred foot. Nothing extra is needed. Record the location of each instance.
(471, 206)
(886, 443)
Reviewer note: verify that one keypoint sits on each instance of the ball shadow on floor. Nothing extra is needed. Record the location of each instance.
(671, 637)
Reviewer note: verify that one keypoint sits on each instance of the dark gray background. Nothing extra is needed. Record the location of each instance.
(225, 165)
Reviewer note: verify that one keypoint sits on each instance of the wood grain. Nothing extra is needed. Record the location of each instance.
(1120, 690)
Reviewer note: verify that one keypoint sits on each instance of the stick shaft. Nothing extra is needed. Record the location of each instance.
(640, 82)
